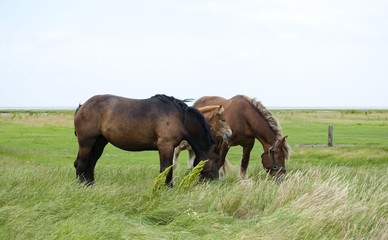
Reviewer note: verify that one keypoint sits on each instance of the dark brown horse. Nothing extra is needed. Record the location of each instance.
(250, 120)
(158, 123)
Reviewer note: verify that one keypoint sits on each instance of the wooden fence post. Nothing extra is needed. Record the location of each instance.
(330, 136)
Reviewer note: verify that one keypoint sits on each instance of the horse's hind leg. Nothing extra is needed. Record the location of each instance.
(81, 163)
(87, 157)
(98, 148)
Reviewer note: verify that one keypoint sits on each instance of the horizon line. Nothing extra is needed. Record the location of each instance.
(269, 107)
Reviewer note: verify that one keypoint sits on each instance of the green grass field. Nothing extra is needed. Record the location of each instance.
(335, 192)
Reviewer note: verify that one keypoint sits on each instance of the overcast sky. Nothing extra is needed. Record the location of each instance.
(303, 53)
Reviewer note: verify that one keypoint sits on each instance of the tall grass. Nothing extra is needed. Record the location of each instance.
(41, 202)
(329, 193)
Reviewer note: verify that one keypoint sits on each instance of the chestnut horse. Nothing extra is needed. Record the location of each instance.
(158, 123)
(220, 130)
(250, 120)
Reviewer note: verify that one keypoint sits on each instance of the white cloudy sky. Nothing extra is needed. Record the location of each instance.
(285, 53)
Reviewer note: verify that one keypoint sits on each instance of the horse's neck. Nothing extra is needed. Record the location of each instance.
(208, 109)
(264, 133)
(266, 144)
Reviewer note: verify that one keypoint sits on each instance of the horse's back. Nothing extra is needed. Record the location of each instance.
(107, 107)
(209, 100)
(130, 124)
(96, 109)
(236, 111)
(231, 106)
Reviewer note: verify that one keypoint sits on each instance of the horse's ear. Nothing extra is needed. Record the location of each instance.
(282, 140)
(220, 109)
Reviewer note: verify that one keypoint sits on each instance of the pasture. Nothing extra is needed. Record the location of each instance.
(335, 192)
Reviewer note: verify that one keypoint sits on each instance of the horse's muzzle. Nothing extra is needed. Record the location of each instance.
(209, 175)
(227, 135)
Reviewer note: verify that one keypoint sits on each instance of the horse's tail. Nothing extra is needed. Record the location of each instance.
(79, 106)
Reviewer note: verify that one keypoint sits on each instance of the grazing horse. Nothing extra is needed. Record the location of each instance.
(250, 120)
(220, 130)
(158, 123)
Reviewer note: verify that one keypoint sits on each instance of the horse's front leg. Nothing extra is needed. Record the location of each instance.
(166, 152)
(247, 148)
(190, 162)
(223, 165)
(177, 151)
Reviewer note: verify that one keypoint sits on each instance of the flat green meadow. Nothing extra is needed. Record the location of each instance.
(335, 192)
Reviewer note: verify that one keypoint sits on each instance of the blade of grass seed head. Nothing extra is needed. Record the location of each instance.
(192, 178)
(160, 180)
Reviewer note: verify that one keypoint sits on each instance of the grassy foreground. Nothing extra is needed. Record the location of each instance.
(330, 193)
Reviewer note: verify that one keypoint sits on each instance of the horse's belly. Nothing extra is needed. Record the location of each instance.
(133, 145)
(132, 140)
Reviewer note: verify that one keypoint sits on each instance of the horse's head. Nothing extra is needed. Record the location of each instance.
(214, 115)
(211, 168)
(274, 158)
(198, 134)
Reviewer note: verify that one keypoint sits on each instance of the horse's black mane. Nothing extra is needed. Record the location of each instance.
(184, 108)
(181, 104)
